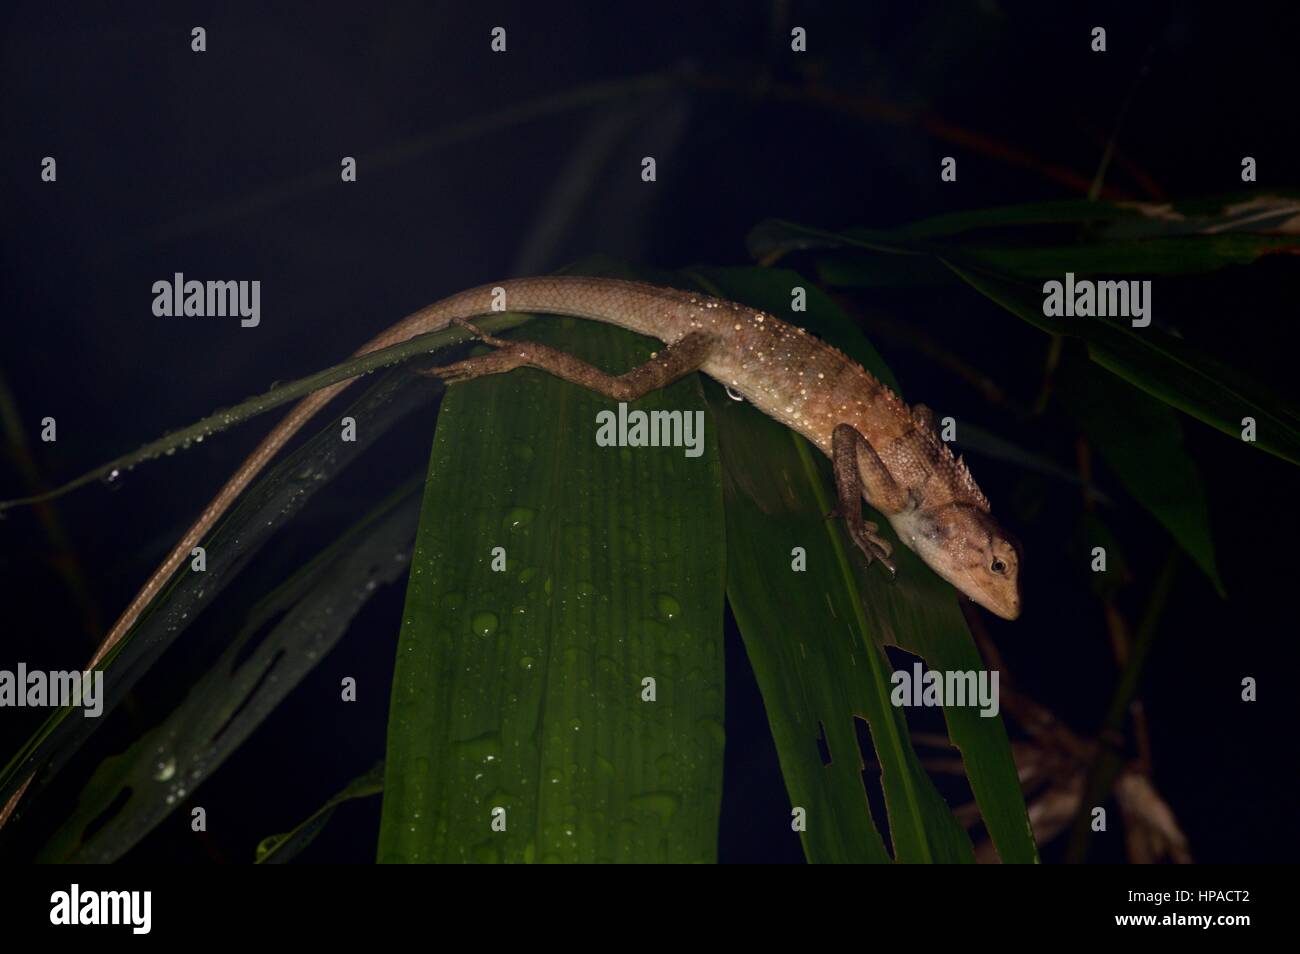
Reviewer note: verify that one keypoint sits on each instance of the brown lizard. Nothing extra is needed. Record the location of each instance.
(882, 450)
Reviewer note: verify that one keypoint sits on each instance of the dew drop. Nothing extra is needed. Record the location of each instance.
(667, 607)
(518, 517)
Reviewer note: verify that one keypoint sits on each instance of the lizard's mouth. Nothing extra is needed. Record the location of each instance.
(1005, 604)
(1008, 611)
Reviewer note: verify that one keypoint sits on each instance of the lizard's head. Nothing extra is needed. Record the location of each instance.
(966, 547)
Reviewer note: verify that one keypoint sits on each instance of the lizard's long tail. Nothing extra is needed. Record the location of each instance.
(639, 307)
(632, 305)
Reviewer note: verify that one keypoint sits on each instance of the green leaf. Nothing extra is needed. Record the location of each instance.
(1138, 238)
(919, 613)
(279, 849)
(1070, 211)
(1179, 255)
(523, 690)
(774, 238)
(1179, 250)
(129, 794)
(841, 269)
(1160, 365)
(183, 439)
(1142, 441)
(817, 667)
(816, 640)
(1241, 212)
(262, 510)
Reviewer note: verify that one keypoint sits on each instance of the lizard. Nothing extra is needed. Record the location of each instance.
(881, 450)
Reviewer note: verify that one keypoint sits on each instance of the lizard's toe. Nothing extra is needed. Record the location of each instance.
(874, 547)
(863, 542)
(447, 375)
(883, 547)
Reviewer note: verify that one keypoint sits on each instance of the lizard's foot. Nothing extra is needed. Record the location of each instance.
(479, 333)
(495, 362)
(883, 547)
(873, 546)
(866, 536)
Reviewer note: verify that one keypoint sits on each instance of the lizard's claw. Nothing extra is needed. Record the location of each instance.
(884, 549)
(449, 373)
(881, 553)
(874, 546)
(494, 362)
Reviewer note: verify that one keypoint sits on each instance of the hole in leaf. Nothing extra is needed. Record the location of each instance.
(252, 694)
(823, 749)
(110, 812)
(257, 638)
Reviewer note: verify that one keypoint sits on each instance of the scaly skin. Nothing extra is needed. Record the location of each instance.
(782, 370)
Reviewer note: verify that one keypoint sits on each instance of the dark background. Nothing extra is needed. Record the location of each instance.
(225, 165)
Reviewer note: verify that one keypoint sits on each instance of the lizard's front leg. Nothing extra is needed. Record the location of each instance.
(858, 466)
(675, 361)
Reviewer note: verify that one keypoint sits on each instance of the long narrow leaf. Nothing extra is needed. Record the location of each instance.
(778, 493)
(270, 504)
(1160, 365)
(280, 394)
(1142, 441)
(129, 794)
(816, 665)
(520, 727)
(283, 848)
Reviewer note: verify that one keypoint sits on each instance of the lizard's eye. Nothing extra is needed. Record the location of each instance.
(997, 566)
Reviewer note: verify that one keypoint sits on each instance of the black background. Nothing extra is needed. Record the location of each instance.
(225, 164)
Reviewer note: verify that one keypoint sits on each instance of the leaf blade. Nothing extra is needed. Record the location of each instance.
(771, 484)
(611, 592)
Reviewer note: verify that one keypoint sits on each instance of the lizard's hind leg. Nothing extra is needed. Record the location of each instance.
(497, 362)
(674, 362)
